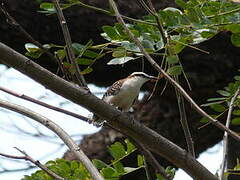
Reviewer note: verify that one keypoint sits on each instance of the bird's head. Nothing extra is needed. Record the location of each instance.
(143, 76)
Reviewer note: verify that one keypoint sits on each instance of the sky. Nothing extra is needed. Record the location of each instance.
(11, 123)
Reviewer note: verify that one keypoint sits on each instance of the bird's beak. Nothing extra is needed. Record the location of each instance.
(154, 79)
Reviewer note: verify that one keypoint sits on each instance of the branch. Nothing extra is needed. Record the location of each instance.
(225, 136)
(152, 140)
(68, 41)
(37, 163)
(25, 97)
(57, 130)
(171, 80)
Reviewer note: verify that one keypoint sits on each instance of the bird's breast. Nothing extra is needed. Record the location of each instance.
(125, 98)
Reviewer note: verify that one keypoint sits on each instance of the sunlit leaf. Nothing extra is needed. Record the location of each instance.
(99, 164)
(31, 47)
(140, 160)
(119, 167)
(130, 146)
(117, 150)
(121, 60)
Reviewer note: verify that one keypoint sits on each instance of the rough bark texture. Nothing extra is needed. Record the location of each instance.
(206, 73)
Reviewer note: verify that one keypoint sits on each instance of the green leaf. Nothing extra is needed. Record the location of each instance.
(121, 60)
(61, 54)
(160, 44)
(74, 165)
(130, 146)
(237, 78)
(236, 112)
(172, 59)
(205, 120)
(119, 167)
(234, 28)
(117, 150)
(111, 32)
(108, 172)
(211, 103)
(119, 52)
(84, 61)
(217, 99)
(48, 7)
(223, 93)
(99, 164)
(218, 107)
(175, 70)
(140, 160)
(80, 49)
(87, 70)
(147, 44)
(34, 55)
(235, 39)
(77, 48)
(181, 3)
(159, 177)
(90, 54)
(208, 34)
(236, 121)
(130, 169)
(31, 47)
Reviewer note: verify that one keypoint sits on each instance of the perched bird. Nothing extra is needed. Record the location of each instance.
(123, 93)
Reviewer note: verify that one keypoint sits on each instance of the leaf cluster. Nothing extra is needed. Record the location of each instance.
(73, 170)
(220, 105)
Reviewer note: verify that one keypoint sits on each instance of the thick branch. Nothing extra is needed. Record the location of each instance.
(151, 139)
(57, 130)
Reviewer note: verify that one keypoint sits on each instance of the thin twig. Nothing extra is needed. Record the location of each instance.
(11, 20)
(184, 123)
(28, 98)
(57, 130)
(68, 42)
(26, 157)
(225, 136)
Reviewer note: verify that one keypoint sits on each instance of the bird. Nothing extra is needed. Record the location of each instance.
(124, 92)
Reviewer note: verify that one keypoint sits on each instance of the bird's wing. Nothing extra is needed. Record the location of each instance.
(114, 89)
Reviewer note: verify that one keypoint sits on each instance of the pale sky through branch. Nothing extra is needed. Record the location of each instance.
(36, 147)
